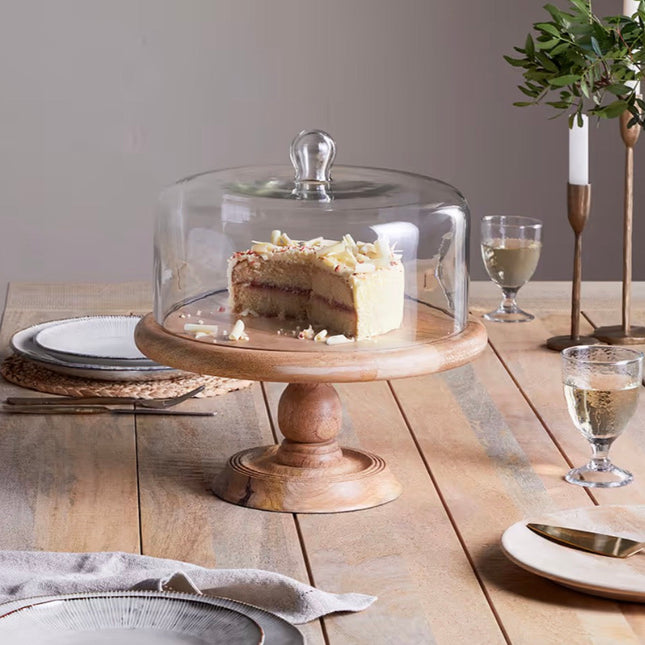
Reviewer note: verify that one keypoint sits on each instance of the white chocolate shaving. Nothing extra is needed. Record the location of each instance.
(338, 340)
(238, 333)
(320, 336)
(346, 255)
(211, 330)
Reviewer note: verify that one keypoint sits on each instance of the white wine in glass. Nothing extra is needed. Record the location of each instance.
(601, 388)
(511, 249)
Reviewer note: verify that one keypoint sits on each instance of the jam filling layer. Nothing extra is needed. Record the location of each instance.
(332, 304)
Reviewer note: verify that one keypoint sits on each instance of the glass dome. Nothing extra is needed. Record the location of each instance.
(406, 235)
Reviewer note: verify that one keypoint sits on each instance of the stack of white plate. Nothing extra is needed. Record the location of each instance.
(96, 347)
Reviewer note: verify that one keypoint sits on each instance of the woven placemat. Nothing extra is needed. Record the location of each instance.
(26, 373)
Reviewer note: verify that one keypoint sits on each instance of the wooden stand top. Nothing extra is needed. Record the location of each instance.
(328, 364)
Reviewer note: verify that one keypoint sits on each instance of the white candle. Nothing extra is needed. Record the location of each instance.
(630, 7)
(635, 84)
(579, 152)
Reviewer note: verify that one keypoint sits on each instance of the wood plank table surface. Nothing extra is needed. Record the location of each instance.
(476, 449)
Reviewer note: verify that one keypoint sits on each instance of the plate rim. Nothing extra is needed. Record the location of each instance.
(605, 589)
(87, 319)
(207, 596)
(35, 601)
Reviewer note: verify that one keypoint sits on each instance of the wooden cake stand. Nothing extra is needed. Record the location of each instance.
(309, 472)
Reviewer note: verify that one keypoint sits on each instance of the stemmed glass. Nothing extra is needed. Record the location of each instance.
(511, 248)
(601, 386)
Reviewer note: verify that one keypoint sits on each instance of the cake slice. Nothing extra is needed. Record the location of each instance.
(347, 287)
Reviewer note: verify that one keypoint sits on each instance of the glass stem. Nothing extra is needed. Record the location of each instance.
(600, 454)
(508, 304)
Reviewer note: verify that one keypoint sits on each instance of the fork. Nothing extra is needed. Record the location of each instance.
(155, 404)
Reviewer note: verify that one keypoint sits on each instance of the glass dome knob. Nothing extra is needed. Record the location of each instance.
(312, 154)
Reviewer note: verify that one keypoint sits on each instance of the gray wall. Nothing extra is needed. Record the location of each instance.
(103, 102)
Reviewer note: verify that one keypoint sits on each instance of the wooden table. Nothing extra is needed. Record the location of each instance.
(476, 449)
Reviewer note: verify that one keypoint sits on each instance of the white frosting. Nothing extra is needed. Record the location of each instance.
(344, 256)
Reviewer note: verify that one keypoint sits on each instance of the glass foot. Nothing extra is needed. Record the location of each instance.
(592, 476)
(514, 316)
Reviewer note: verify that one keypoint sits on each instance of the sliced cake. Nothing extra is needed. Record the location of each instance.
(347, 287)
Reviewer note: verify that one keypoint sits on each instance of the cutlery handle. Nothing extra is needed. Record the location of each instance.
(76, 400)
(70, 409)
(52, 409)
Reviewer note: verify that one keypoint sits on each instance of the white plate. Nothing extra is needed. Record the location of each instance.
(126, 618)
(277, 631)
(23, 344)
(595, 574)
(105, 338)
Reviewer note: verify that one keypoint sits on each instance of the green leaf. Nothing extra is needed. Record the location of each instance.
(612, 110)
(547, 63)
(595, 46)
(529, 46)
(556, 14)
(556, 51)
(516, 62)
(619, 89)
(532, 93)
(548, 28)
(523, 103)
(547, 44)
(567, 79)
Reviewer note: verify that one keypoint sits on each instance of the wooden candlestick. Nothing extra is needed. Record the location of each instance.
(626, 334)
(578, 208)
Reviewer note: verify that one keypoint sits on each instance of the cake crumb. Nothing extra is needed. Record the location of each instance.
(307, 334)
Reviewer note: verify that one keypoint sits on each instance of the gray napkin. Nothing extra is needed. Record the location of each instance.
(37, 573)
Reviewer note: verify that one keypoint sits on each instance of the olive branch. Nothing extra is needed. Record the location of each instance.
(583, 64)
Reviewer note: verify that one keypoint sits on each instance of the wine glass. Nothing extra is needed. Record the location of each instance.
(511, 248)
(601, 386)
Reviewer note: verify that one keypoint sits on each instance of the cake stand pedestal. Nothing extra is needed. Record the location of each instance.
(308, 472)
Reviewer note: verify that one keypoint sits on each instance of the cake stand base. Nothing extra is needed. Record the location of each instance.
(308, 472)
(255, 478)
(558, 343)
(617, 335)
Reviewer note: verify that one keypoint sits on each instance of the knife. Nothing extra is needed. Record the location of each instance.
(599, 543)
(97, 409)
